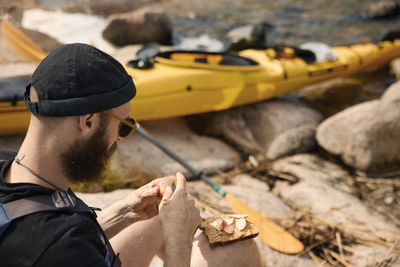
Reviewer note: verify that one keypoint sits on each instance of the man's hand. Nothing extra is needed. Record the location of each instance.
(179, 220)
(140, 205)
(143, 203)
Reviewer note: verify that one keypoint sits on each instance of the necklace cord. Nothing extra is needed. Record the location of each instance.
(18, 161)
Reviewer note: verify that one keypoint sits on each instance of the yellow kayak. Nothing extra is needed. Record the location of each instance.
(182, 83)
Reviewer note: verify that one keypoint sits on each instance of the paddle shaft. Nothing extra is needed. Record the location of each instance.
(270, 233)
(171, 154)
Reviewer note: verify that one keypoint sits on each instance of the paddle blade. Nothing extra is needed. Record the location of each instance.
(20, 43)
(270, 233)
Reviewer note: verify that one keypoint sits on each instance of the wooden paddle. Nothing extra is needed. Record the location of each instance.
(270, 233)
(20, 43)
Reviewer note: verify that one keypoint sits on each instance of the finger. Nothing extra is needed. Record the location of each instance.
(166, 198)
(180, 181)
(155, 182)
(167, 195)
(158, 180)
(150, 192)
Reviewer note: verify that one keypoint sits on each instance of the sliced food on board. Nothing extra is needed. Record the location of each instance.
(227, 228)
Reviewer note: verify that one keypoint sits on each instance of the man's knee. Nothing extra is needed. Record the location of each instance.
(240, 253)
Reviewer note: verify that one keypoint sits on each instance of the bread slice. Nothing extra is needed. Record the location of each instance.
(228, 231)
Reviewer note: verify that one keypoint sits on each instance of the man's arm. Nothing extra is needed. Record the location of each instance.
(179, 220)
(173, 227)
(139, 205)
(114, 219)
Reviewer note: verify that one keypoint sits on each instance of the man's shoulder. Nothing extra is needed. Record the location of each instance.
(55, 231)
(53, 224)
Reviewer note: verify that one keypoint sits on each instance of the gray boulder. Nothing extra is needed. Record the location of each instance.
(275, 128)
(127, 53)
(250, 191)
(142, 26)
(271, 258)
(326, 190)
(256, 33)
(328, 97)
(366, 136)
(138, 158)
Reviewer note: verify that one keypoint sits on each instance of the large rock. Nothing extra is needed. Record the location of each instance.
(271, 258)
(328, 97)
(251, 191)
(139, 158)
(274, 128)
(127, 53)
(326, 190)
(381, 9)
(255, 34)
(43, 40)
(366, 136)
(141, 26)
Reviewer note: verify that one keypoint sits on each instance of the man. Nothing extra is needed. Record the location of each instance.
(80, 103)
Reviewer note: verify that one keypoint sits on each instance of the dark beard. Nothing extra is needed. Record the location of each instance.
(86, 161)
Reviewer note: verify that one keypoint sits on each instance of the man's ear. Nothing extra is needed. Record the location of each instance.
(86, 123)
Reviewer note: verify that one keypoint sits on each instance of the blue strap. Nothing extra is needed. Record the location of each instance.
(107, 258)
(5, 219)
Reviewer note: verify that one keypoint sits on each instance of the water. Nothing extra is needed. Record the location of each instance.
(296, 21)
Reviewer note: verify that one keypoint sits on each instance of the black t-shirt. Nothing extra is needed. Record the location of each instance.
(47, 238)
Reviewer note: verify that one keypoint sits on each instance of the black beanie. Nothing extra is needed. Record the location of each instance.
(78, 79)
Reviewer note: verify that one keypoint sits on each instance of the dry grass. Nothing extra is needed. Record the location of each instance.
(327, 243)
(330, 244)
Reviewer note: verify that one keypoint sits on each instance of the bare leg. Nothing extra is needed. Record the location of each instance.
(242, 253)
(138, 243)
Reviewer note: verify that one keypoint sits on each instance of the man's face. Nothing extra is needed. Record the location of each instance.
(86, 160)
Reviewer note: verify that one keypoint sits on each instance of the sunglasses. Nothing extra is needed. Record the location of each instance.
(126, 127)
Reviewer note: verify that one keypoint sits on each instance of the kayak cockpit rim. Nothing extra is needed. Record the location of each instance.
(208, 60)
